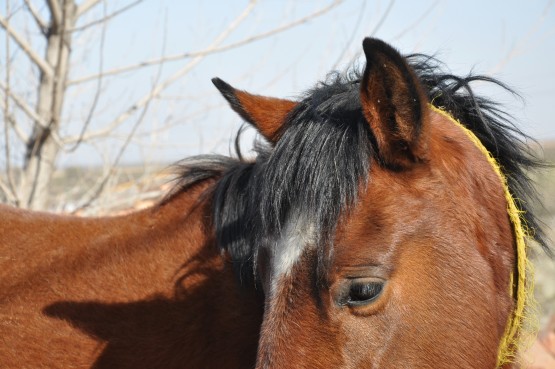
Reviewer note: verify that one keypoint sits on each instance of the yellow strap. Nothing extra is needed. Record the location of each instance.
(513, 336)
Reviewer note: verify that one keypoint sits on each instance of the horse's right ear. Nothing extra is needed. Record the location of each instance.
(266, 114)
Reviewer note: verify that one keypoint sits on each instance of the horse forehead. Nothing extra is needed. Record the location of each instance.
(297, 236)
(394, 205)
(387, 206)
(455, 179)
(389, 211)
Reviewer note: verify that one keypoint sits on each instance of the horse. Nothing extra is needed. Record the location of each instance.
(380, 225)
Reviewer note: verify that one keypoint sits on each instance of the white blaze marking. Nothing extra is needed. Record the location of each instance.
(297, 236)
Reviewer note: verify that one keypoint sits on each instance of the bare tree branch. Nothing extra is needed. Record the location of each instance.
(86, 6)
(7, 152)
(29, 111)
(382, 19)
(97, 190)
(353, 35)
(6, 104)
(375, 29)
(210, 50)
(56, 11)
(523, 43)
(98, 88)
(109, 173)
(60, 30)
(23, 137)
(10, 196)
(24, 106)
(27, 49)
(414, 24)
(36, 16)
(106, 17)
(155, 92)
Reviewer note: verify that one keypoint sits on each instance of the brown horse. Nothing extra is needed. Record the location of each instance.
(370, 231)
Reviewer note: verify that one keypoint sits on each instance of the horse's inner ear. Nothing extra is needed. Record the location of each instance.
(394, 105)
(267, 114)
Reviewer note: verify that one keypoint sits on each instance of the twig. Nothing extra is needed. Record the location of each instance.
(383, 18)
(209, 50)
(31, 113)
(27, 49)
(13, 123)
(375, 29)
(36, 16)
(167, 126)
(86, 6)
(24, 106)
(353, 35)
(102, 183)
(7, 192)
(106, 17)
(176, 76)
(98, 89)
(521, 44)
(11, 186)
(423, 16)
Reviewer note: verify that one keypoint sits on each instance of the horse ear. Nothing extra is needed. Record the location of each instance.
(394, 104)
(266, 114)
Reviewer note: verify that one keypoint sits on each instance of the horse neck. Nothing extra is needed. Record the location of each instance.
(38, 245)
(150, 286)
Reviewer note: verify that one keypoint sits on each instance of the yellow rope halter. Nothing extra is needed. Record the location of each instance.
(514, 336)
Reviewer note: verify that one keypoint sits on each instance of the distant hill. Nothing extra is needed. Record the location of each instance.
(549, 150)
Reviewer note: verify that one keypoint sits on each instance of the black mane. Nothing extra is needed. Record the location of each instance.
(323, 156)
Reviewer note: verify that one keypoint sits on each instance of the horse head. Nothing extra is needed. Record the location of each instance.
(373, 225)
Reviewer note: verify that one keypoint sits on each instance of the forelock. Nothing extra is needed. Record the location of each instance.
(316, 169)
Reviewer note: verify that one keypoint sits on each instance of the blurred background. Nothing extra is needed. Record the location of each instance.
(97, 97)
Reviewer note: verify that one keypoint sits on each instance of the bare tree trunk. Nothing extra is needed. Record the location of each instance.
(42, 149)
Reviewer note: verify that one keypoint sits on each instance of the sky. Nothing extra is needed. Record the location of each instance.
(513, 41)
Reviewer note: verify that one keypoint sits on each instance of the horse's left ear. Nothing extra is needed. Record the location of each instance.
(394, 104)
(267, 114)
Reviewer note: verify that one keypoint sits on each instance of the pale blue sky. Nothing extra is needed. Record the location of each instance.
(513, 40)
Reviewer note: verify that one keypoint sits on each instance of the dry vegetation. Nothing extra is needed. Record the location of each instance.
(542, 353)
(545, 267)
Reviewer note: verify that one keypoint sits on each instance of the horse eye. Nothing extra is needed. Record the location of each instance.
(363, 293)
